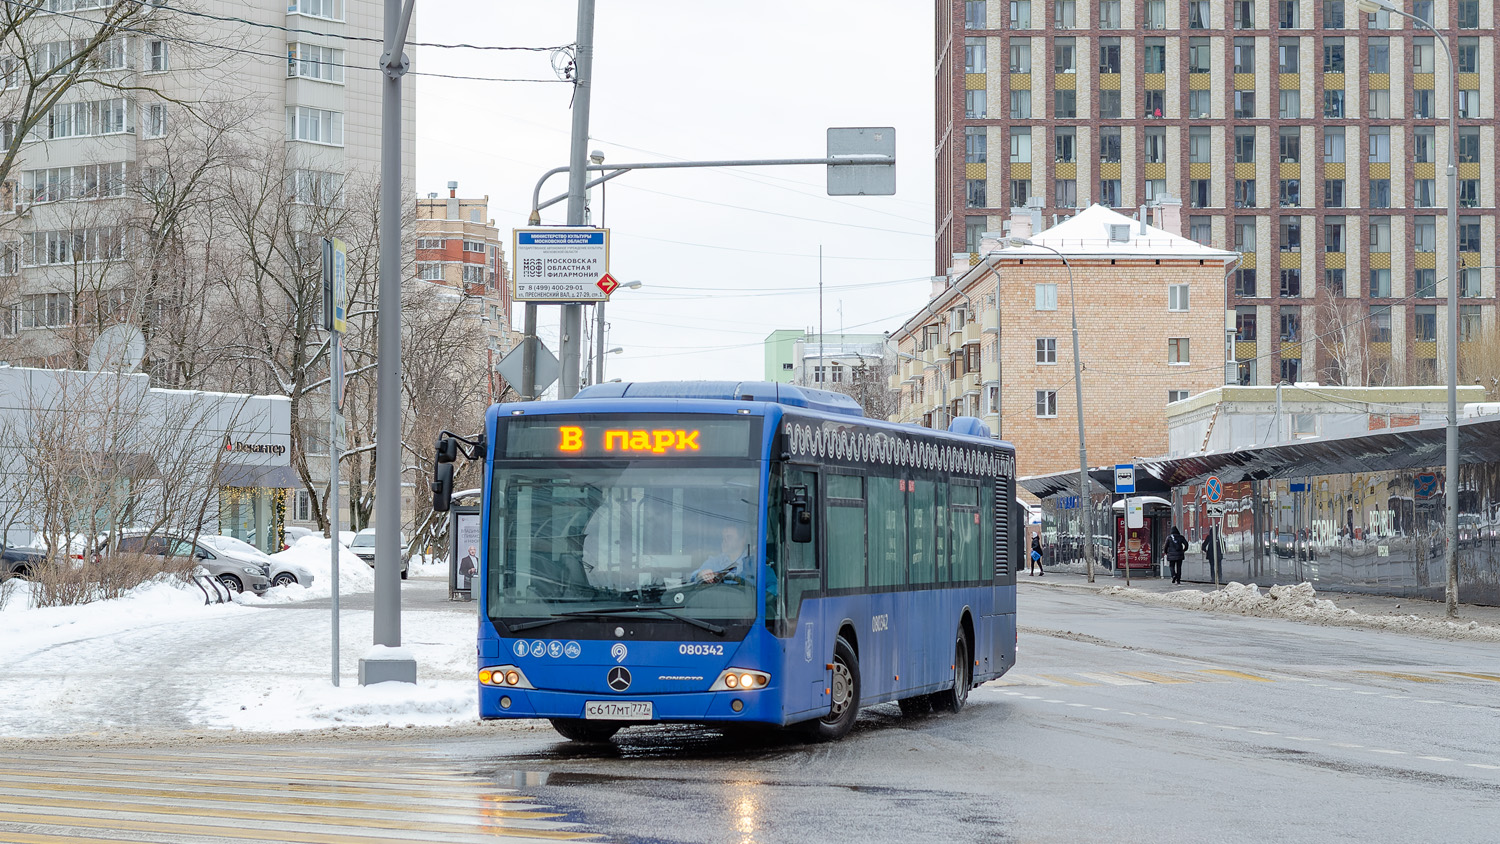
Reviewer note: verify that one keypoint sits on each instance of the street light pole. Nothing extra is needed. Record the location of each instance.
(1450, 483)
(1083, 459)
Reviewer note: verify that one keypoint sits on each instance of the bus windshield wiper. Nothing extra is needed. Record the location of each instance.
(617, 612)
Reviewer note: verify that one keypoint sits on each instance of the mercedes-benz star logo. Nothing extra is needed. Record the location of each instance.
(619, 678)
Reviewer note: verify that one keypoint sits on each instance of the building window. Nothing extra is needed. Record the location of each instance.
(1421, 104)
(1380, 284)
(1020, 56)
(1065, 192)
(76, 120)
(1244, 193)
(1333, 281)
(1333, 102)
(1020, 192)
(1177, 395)
(1468, 323)
(315, 125)
(1200, 55)
(1064, 145)
(1468, 102)
(974, 16)
(1333, 145)
(1197, 14)
(1291, 325)
(1156, 14)
(1155, 146)
(1177, 350)
(975, 147)
(156, 58)
(1244, 55)
(1200, 230)
(1177, 297)
(1289, 104)
(1333, 234)
(1289, 56)
(73, 246)
(1109, 193)
(1333, 55)
(1244, 283)
(85, 181)
(1020, 105)
(974, 55)
(323, 188)
(1064, 57)
(1244, 14)
(1046, 404)
(974, 189)
(1109, 14)
(1424, 232)
(1424, 145)
(1065, 13)
(328, 9)
(1046, 297)
(43, 310)
(1333, 193)
(1424, 283)
(1424, 193)
(1380, 324)
(1109, 55)
(1200, 103)
(1020, 145)
(1468, 283)
(1109, 144)
(301, 506)
(974, 105)
(1244, 103)
(427, 242)
(1291, 193)
(1291, 234)
(1423, 59)
(1244, 324)
(1380, 193)
(1288, 14)
(1156, 104)
(1378, 55)
(1422, 10)
(1468, 193)
(1425, 320)
(1020, 14)
(430, 272)
(1198, 193)
(973, 233)
(1066, 104)
(1468, 14)
(1155, 56)
(310, 61)
(1291, 373)
(1200, 145)
(1291, 283)
(1468, 55)
(1046, 350)
(1468, 143)
(1244, 145)
(1290, 145)
(1333, 14)
(1109, 105)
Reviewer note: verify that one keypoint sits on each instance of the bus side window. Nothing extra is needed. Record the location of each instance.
(846, 531)
(923, 536)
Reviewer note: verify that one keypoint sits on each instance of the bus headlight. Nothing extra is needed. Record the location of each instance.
(504, 676)
(740, 679)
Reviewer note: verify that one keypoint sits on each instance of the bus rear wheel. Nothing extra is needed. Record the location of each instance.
(843, 691)
(953, 700)
(587, 732)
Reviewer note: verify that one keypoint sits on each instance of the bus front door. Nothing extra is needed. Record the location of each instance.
(807, 643)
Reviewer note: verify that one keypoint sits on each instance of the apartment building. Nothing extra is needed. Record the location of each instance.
(1309, 136)
(176, 86)
(458, 246)
(1150, 312)
(805, 358)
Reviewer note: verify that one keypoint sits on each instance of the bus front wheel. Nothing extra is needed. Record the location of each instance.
(843, 693)
(953, 700)
(588, 732)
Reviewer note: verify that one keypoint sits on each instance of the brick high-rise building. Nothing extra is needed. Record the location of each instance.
(1309, 136)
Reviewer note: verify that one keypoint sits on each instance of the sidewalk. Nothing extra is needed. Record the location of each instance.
(1157, 590)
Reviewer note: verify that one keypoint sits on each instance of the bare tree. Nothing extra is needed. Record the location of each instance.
(1344, 329)
(869, 384)
(1479, 362)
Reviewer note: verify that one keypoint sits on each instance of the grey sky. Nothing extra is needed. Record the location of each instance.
(717, 250)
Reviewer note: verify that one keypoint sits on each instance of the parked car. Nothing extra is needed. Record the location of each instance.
(281, 572)
(20, 562)
(364, 546)
(292, 533)
(234, 572)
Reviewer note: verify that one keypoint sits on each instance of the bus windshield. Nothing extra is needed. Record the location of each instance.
(634, 538)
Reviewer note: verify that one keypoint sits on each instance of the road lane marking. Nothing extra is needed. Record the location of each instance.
(1110, 679)
(1493, 678)
(1391, 752)
(286, 836)
(1154, 677)
(1241, 675)
(1065, 681)
(1435, 758)
(1402, 675)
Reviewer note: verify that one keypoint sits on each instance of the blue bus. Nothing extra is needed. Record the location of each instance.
(722, 552)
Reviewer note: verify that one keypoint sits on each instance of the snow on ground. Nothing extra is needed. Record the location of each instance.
(428, 565)
(159, 659)
(311, 553)
(1300, 603)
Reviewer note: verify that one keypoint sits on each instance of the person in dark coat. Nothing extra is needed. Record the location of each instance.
(1036, 556)
(1176, 548)
(1211, 553)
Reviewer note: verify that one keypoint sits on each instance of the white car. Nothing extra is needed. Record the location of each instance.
(282, 572)
(363, 545)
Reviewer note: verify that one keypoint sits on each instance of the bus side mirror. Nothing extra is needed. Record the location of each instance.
(447, 450)
(442, 487)
(801, 514)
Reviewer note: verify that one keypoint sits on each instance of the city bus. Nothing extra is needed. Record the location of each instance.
(722, 552)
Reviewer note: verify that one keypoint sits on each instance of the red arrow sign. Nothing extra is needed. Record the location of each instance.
(607, 283)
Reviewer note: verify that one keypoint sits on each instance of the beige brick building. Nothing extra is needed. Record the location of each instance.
(1151, 322)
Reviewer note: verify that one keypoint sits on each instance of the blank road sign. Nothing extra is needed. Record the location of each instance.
(875, 179)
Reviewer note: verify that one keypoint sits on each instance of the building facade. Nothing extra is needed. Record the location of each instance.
(1149, 306)
(458, 246)
(831, 361)
(1309, 136)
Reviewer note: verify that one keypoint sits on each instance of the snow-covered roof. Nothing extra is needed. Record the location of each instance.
(1087, 233)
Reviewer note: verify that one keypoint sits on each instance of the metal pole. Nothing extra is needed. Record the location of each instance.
(387, 622)
(599, 341)
(1083, 458)
(1450, 484)
(570, 346)
(527, 387)
(336, 347)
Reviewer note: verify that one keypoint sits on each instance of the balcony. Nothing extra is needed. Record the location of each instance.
(990, 322)
(972, 333)
(989, 373)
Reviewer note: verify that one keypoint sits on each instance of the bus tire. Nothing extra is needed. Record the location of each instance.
(843, 689)
(587, 732)
(953, 700)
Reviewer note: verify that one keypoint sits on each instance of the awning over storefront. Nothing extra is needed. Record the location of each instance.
(1405, 448)
(275, 477)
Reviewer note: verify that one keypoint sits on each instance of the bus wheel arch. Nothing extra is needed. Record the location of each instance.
(953, 698)
(843, 691)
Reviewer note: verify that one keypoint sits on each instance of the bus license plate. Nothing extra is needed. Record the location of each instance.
(617, 710)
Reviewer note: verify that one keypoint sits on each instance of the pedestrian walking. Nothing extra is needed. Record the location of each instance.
(1036, 557)
(1176, 548)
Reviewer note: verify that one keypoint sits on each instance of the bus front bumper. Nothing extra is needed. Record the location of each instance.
(757, 705)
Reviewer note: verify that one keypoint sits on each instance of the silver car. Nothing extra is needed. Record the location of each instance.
(363, 546)
(236, 574)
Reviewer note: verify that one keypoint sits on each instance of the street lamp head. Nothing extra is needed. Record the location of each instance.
(1018, 241)
(632, 285)
(1370, 7)
(616, 350)
(596, 156)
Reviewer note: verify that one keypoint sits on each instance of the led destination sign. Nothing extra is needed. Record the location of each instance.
(629, 437)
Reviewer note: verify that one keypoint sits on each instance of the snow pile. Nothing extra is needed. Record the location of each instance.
(428, 565)
(311, 553)
(1300, 602)
(27, 630)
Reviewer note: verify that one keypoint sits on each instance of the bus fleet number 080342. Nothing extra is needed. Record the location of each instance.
(701, 650)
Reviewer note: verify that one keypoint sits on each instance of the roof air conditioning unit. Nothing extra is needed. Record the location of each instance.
(1119, 234)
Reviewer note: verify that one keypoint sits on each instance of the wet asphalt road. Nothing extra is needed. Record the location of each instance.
(1122, 723)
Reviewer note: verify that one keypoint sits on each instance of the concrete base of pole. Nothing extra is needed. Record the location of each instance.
(384, 669)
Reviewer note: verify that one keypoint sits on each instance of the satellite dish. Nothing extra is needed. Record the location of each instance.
(119, 348)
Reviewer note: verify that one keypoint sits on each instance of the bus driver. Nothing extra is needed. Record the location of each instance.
(733, 559)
